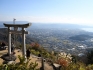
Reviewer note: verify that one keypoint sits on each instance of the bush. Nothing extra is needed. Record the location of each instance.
(20, 66)
(64, 59)
(89, 67)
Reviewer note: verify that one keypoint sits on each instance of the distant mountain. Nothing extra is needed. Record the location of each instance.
(57, 25)
(47, 25)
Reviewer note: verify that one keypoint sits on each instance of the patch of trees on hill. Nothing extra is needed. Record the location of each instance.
(81, 37)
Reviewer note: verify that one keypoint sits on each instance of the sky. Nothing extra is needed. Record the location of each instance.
(48, 11)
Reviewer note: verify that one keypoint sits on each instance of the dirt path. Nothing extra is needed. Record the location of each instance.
(32, 57)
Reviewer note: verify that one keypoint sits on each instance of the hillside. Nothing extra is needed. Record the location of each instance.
(4, 36)
(81, 37)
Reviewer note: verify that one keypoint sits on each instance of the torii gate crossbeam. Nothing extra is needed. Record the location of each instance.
(23, 32)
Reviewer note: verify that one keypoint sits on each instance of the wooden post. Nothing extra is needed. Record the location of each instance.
(42, 63)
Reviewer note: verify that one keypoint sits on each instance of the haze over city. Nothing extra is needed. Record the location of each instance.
(48, 11)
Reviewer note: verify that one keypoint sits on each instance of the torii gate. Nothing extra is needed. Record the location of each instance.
(15, 30)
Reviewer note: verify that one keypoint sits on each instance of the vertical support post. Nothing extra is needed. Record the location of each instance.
(9, 41)
(14, 29)
(42, 64)
(23, 42)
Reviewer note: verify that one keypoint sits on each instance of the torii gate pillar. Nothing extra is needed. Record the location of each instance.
(9, 41)
(23, 42)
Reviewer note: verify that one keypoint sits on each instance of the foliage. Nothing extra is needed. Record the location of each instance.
(36, 49)
(89, 67)
(20, 66)
(35, 52)
(75, 66)
(64, 59)
(74, 58)
(35, 46)
(90, 57)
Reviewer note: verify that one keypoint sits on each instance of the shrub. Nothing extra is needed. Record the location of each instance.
(89, 67)
(35, 46)
(64, 59)
(20, 66)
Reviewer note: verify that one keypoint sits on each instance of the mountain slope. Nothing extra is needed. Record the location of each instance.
(81, 37)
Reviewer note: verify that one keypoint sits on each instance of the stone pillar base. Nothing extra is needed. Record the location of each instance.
(8, 57)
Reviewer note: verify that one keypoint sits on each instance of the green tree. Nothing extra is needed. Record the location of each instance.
(90, 57)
